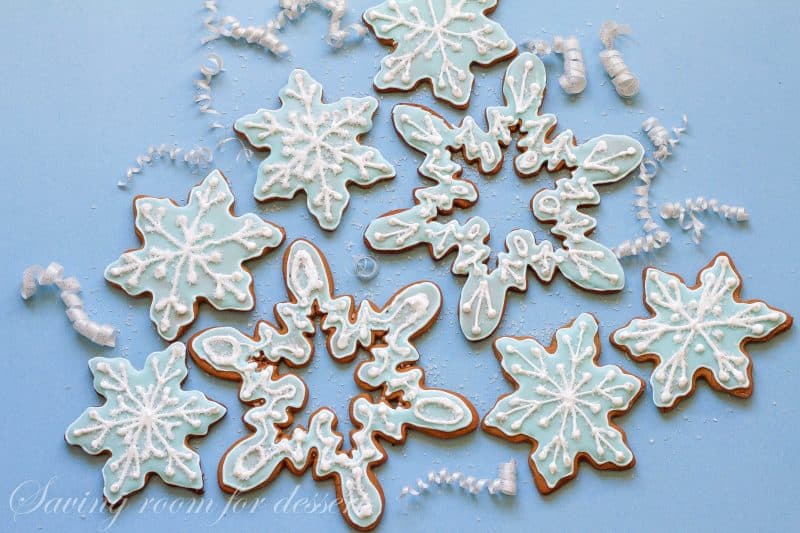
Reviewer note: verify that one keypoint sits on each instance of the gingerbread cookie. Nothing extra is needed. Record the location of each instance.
(698, 332)
(191, 253)
(145, 423)
(403, 401)
(585, 262)
(437, 41)
(314, 147)
(563, 403)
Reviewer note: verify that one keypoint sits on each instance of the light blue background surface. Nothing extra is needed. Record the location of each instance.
(88, 85)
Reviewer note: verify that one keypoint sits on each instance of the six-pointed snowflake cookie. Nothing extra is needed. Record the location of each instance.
(399, 402)
(437, 41)
(563, 403)
(698, 332)
(192, 252)
(314, 147)
(584, 261)
(145, 423)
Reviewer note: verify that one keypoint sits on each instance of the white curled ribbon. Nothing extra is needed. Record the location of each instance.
(625, 82)
(102, 334)
(573, 81)
(213, 67)
(687, 214)
(198, 157)
(655, 236)
(266, 36)
(505, 483)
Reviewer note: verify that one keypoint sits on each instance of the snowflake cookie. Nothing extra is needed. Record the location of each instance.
(585, 262)
(314, 147)
(698, 332)
(397, 401)
(145, 423)
(563, 403)
(192, 252)
(437, 41)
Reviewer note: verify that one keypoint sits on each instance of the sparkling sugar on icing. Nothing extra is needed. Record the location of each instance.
(700, 329)
(144, 423)
(403, 401)
(314, 147)
(583, 261)
(563, 402)
(437, 40)
(192, 252)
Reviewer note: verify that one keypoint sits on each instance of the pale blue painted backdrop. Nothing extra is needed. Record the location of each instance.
(88, 85)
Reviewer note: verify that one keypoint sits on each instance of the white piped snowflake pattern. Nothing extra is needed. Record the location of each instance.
(438, 41)
(399, 401)
(314, 147)
(564, 403)
(584, 261)
(144, 423)
(698, 331)
(193, 252)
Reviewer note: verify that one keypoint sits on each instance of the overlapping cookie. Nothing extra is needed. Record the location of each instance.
(584, 261)
(402, 402)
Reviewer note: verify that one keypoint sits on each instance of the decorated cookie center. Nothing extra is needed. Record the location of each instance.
(585, 262)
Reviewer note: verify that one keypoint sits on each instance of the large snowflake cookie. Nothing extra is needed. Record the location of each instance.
(145, 423)
(314, 147)
(563, 403)
(192, 252)
(698, 332)
(399, 400)
(585, 262)
(437, 41)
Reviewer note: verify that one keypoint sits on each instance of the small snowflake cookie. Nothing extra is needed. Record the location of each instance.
(192, 252)
(399, 401)
(584, 261)
(145, 423)
(563, 403)
(314, 147)
(698, 332)
(437, 41)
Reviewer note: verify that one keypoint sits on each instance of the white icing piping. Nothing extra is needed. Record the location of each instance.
(625, 82)
(655, 236)
(573, 81)
(686, 214)
(266, 36)
(505, 483)
(199, 157)
(102, 334)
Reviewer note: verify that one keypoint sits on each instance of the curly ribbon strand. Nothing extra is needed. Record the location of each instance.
(540, 47)
(199, 157)
(573, 81)
(35, 275)
(655, 236)
(625, 82)
(244, 151)
(505, 483)
(203, 98)
(291, 10)
(686, 214)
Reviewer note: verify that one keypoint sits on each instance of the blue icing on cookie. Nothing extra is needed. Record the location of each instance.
(314, 147)
(563, 402)
(385, 333)
(584, 261)
(144, 423)
(192, 252)
(437, 41)
(697, 331)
